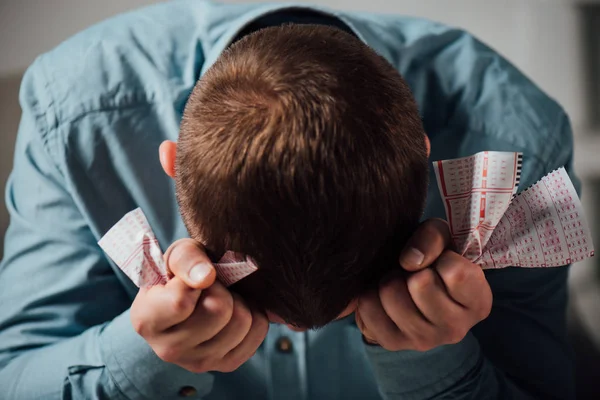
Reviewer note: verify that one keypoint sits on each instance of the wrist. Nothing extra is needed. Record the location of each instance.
(138, 371)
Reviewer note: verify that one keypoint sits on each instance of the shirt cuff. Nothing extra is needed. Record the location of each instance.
(418, 375)
(138, 372)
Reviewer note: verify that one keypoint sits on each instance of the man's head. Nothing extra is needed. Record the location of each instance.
(304, 149)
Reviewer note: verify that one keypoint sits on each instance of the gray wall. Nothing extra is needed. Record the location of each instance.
(9, 121)
(529, 32)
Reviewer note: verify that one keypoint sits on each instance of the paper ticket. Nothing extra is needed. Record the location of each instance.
(544, 226)
(132, 245)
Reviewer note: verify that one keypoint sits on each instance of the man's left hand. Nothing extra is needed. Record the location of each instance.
(435, 300)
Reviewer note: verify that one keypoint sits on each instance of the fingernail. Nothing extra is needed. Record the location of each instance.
(199, 272)
(411, 256)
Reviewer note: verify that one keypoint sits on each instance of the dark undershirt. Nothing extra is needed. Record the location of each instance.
(292, 16)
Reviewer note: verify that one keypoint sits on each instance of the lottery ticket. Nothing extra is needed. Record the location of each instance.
(543, 226)
(132, 245)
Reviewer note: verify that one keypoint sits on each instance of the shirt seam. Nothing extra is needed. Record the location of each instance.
(108, 109)
(42, 116)
(49, 133)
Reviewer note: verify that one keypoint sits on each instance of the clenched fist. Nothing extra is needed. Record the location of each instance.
(435, 300)
(193, 321)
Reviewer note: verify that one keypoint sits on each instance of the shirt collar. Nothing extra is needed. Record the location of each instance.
(238, 25)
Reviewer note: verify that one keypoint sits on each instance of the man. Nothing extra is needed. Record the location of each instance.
(95, 111)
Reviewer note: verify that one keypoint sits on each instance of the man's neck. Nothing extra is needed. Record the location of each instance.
(292, 16)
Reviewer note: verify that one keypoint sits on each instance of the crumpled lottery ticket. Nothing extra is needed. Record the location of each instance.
(543, 226)
(132, 245)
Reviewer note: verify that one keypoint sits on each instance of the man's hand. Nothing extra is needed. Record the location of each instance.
(437, 302)
(193, 321)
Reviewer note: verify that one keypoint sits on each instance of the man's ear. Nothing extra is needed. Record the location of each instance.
(428, 145)
(166, 153)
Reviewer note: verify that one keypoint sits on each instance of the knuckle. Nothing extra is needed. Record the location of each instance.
(138, 318)
(383, 340)
(423, 345)
(219, 306)
(199, 367)
(388, 287)
(242, 316)
(230, 365)
(262, 325)
(458, 270)
(448, 256)
(180, 253)
(419, 345)
(436, 227)
(421, 280)
(367, 302)
(170, 354)
(455, 335)
(430, 227)
(392, 344)
(389, 347)
(139, 325)
(359, 322)
(456, 277)
(453, 331)
(180, 303)
(182, 247)
(484, 309)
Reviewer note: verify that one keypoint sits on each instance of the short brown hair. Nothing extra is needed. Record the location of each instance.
(304, 149)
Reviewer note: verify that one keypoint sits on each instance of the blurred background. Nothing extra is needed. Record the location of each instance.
(555, 42)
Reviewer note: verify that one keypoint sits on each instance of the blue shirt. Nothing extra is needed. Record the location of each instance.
(95, 110)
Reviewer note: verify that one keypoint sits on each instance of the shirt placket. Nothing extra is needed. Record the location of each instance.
(286, 355)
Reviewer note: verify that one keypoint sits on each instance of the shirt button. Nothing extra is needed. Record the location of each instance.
(284, 345)
(187, 391)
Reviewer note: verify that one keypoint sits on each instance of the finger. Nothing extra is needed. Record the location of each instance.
(158, 308)
(233, 333)
(400, 307)
(250, 344)
(378, 325)
(465, 282)
(431, 298)
(367, 335)
(187, 259)
(212, 313)
(430, 239)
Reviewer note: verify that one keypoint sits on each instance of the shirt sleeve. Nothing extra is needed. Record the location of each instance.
(57, 289)
(520, 351)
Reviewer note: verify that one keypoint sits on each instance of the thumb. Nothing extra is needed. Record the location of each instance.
(187, 260)
(428, 242)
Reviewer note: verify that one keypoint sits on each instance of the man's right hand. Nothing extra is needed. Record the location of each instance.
(193, 321)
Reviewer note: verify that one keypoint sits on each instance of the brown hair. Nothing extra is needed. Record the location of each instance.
(304, 149)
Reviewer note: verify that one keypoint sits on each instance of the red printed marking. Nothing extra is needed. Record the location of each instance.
(477, 189)
(482, 208)
(485, 169)
(483, 226)
(443, 181)
(449, 208)
(137, 249)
